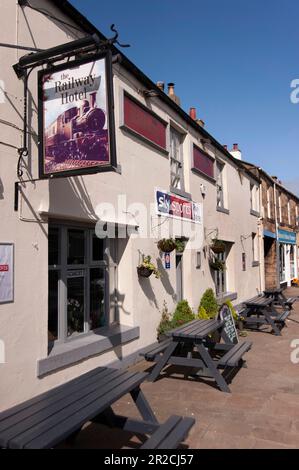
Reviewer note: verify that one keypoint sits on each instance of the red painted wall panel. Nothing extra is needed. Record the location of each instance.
(144, 123)
(203, 162)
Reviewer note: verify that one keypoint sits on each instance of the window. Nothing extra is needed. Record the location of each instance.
(176, 160)
(282, 263)
(220, 276)
(220, 186)
(280, 208)
(269, 211)
(254, 198)
(144, 122)
(289, 213)
(78, 282)
(254, 248)
(202, 162)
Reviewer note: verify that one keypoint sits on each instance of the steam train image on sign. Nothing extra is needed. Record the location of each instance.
(77, 135)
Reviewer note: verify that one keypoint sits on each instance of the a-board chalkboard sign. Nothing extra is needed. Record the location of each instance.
(229, 332)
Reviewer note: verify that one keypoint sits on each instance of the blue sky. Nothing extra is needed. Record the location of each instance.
(233, 60)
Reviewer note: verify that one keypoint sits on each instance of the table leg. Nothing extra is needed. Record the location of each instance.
(162, 361)
(143, 406)
(210, 364)
(271, 321)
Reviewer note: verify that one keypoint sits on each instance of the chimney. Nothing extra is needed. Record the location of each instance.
(236, 152)
(172, 95)
(200, 122)
(161, 85)
(192, 113)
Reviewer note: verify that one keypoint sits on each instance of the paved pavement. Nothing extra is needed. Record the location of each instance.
(261, 412)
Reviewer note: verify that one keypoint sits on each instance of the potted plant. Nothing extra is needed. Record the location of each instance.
(217, 265)
(217, 246)
(180, 245)
(167, 245)
(147, 268)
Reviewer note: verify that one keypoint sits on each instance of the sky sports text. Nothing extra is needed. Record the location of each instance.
(295, 92)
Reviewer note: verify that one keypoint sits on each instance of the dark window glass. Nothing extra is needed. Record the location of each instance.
(203, 162)
(97, 298)
(97, 249)
(53, 306)
(76, 247)
(53, 246)
(75, 304)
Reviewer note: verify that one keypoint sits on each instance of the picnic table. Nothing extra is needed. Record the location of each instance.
(279, 298)
(192, 346)
(261, 311)
(50, 418)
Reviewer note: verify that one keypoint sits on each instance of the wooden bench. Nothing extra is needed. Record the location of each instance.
(170, 434)
(235, 355)
(282, 317)
(50, 418)
(152, 352)
(290, 301)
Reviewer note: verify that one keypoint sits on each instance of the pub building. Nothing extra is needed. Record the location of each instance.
(74, 299)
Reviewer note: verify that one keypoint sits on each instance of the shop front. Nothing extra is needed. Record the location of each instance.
(288, 268)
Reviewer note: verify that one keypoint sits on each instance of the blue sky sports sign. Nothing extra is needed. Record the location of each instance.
(171, 205)
(289, 238)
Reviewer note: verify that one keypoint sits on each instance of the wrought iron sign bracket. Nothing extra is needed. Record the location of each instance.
(89, 45)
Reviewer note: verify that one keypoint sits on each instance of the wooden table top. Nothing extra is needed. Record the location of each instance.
(196, 329)
(258, 302)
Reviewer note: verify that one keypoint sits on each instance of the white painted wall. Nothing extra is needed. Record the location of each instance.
(23, 324)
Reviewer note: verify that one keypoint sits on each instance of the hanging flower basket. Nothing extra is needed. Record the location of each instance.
(144, 272)
(217, 265)
(167, 245)
(218, 246)
(147, 268)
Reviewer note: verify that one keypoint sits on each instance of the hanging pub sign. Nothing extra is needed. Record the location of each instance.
(76, 119)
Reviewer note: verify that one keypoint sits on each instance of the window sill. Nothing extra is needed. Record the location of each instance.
(204, 175)
(67, 354)
(255, 213)
(255, 264)
(223, 210)
(227, 296)
(180, 192)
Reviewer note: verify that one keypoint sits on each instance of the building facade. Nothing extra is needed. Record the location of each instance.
(280, 230)
(78, 302)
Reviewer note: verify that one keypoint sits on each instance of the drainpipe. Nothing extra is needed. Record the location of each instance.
(261, 241)
(277, 237)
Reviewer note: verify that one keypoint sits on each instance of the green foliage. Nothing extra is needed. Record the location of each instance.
(209, 304)
(217, 265)
(165, 323)
(202, 313)
(180, 245)
(183, 313)
(232, 309)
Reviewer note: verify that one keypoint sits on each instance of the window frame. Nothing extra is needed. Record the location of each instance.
(178, 161)
(63, 268)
